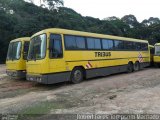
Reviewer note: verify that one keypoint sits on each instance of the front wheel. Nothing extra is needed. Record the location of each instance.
(76, 75)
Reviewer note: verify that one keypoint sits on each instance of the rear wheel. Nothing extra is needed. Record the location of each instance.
(77, 75)
(130, 67)
(136, 66)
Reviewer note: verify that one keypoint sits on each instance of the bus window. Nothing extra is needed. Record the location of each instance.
(144, 46)
(9, 54)
(74, 42)
(93, 43)
(80, 41)
(118, 45)
(97, 43)
(128, 45)
(138, 46)
(14, 51)
(56, 46)
(37, 47)
(70, 42)
(107, 44)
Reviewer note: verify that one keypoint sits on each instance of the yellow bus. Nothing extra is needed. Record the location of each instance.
(57, 55)
(156, 57)
(16, 57)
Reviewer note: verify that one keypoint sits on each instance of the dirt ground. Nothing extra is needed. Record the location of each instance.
(136, 92)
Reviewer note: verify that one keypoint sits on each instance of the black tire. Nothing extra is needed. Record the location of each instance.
(136, 66)
(130, 67)
(77, 75)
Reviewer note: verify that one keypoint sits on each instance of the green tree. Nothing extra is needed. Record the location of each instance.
(151, 21)
(131, 20)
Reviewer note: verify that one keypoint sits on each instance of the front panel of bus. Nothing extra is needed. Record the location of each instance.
(16, 58)
(46, 59)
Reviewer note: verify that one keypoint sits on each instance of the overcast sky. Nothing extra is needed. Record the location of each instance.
(142, 9)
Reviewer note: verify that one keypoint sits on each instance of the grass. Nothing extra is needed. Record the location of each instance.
(39, 109)
(42, 108)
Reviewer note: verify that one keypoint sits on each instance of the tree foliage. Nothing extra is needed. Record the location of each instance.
(19, 18)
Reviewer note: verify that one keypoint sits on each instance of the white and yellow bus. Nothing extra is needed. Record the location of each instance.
(156, 57)
(57, 55)
(16, 57)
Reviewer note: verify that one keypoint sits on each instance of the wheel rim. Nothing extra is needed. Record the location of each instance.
(77, 75)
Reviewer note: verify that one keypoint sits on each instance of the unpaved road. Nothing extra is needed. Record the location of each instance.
(137, 92)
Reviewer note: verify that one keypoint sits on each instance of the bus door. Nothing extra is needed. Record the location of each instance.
(56, 61)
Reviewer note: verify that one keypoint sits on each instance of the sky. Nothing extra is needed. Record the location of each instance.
(142, 9)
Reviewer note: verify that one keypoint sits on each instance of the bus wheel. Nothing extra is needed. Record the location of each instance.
(76, 75)
(130, 67)
(136, 66)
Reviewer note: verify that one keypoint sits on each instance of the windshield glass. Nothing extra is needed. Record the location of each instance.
(157, 50)
(37, 48)
(14, 51)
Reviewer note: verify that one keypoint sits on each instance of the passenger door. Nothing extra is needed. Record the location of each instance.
(56, 61)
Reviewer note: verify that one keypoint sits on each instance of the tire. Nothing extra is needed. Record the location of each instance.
(130, 67)
(136, 66)
(77, 75)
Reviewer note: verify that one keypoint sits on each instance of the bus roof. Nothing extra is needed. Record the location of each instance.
(157, 44)
(21, 39)
(87, 34)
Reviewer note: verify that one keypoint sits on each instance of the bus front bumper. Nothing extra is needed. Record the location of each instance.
(16, 74)
(49, 78)
(37, 78)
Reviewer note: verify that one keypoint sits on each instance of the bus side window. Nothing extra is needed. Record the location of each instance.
(119, 45)
(55, 50)
(107, 44)
(138, 46)
(144, 46)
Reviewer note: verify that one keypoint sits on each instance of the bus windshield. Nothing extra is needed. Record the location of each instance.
(37, 48)
(14, 51)
(157, 50)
